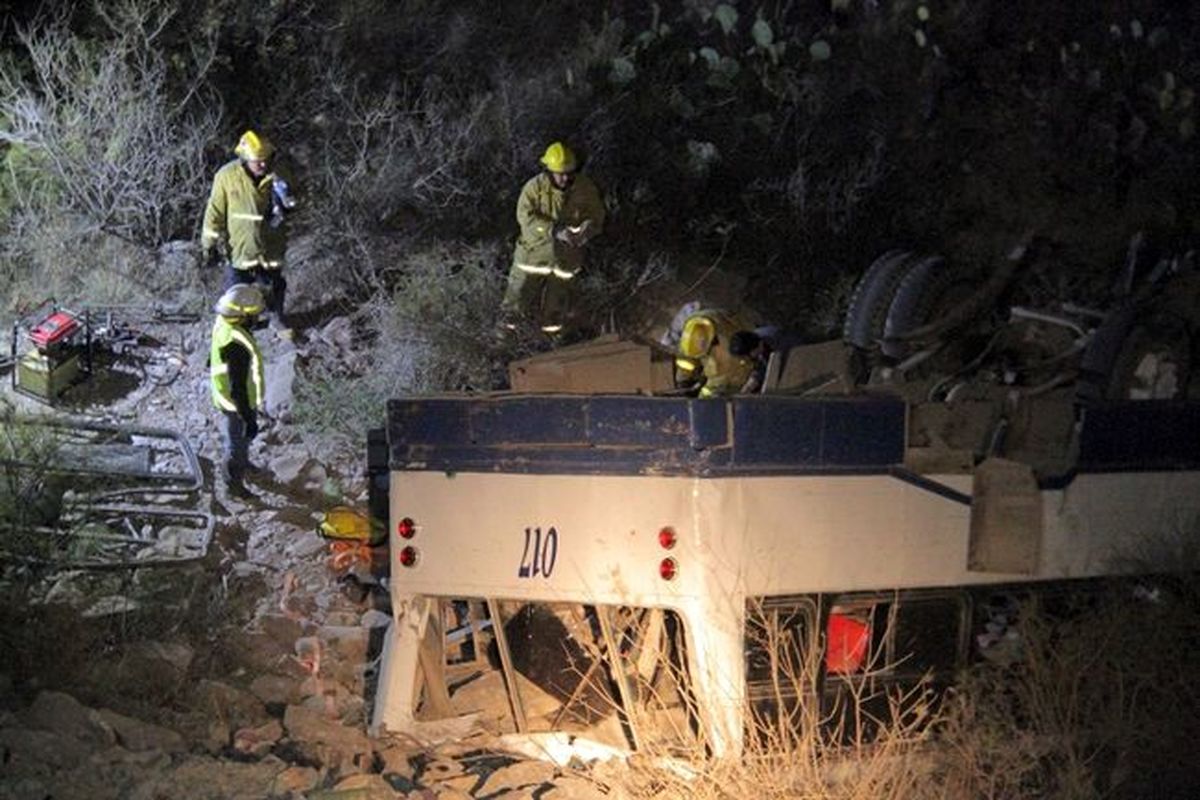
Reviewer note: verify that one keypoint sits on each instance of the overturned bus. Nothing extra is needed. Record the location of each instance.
(638, 572)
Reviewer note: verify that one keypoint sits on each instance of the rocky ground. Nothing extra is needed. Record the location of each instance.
(246, 673)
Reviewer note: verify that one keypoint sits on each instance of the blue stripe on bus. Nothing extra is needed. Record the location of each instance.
(626, 435)
(643, 435)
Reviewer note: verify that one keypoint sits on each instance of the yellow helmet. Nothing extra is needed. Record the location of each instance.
(253, 147)
(241, 300)
(559, 158)
(698, 336)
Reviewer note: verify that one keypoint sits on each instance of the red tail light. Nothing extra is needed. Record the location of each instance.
(408, 556)
(666, 538)
(406, 528)
(667, 569)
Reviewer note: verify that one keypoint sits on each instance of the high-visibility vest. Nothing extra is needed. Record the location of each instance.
(224, 333)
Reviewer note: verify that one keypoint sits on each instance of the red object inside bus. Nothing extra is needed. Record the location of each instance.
(846, 641)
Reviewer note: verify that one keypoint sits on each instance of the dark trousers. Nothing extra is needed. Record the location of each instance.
(544, 299)
(272, 282)
(236, 446)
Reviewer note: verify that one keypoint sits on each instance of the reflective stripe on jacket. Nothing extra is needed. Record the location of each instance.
(238, 207)
(224, 334)
(540, 208)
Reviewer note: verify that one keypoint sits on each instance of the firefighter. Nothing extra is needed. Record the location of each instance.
(560, 210)
(236, 372)
(704, 357)
(245, 223)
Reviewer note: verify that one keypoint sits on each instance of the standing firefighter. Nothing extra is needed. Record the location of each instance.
(244, 223)
(559, 211)
(236, 370)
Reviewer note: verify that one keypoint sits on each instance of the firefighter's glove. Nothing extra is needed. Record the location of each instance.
(252, 426)
(214, 255)
(563, 234)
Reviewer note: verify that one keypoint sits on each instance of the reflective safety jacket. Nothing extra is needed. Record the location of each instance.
(237, 214)
(235, 369)
(540, 209)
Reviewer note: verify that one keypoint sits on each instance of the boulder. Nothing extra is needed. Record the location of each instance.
(135, 735)
(62, 714)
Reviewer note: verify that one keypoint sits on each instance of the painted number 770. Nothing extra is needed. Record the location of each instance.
(540, 553)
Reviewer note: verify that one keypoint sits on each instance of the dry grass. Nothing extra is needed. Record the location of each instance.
(1100, 703)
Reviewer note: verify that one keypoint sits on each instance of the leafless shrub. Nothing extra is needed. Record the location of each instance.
(106, 140)
(612, 293)
(391, 154)
(436, 332)
(108, 137)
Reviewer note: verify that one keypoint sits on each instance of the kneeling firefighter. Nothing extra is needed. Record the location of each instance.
(704, 353)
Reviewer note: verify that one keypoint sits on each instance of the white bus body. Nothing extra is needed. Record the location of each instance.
(700, 509)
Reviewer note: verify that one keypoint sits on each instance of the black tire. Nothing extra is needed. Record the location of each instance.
(918, 299)
(872, 298)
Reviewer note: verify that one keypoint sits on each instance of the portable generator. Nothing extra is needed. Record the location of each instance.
(59, 351)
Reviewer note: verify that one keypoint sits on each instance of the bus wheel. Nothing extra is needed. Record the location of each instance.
(863, 326)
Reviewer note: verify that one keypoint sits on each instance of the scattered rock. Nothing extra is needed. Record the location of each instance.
(258, 741)
(136, 735)
(236, 707)
(305, 725)
(346, 643)
(282, 629)
(205, 778)
(174, 654)
(395, 760)
(153, 759)
(275, 689)
(280, 375)
(376, 619)
(287, 467)
(338, 332)
(296, 779)
(305, 547)
(38, 752)
(64, 715)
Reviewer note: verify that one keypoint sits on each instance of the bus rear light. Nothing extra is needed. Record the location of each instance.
(406, 528)
(666, 538)
(408, 556)
(667, 568)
